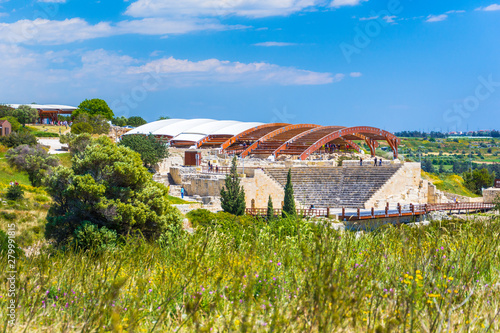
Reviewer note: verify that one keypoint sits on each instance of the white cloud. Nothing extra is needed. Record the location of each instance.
(389, 19)
(490, 8)
(211, 8)
(436, 18)
(41, 31)
(341, 3)
(186, 72)
(270, 44)
(356, 74)
(455, 12)
(371, 18)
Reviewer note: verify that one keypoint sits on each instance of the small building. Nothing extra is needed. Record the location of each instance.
(5, 127)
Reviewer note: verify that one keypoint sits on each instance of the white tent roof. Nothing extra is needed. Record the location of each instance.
(193, 129)
(45, 106)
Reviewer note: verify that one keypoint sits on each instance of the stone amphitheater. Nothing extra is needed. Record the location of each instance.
(322, 183)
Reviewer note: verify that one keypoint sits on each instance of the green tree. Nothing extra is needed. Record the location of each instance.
(26, 114)
(289, 204)
(34, 160)
(136, 121)
(478, 179)
(151, 149)
(80, 128)
(107, 186)
(94, 107)
(163, 118)
(233, 195)
(270, 209)
(119, 121)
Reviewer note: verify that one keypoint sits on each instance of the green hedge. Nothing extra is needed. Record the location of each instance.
(41, 134)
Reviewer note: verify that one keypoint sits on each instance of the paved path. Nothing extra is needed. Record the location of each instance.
(56, 147)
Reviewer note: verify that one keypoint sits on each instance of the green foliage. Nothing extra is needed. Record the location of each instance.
(90, 237)
(108, 187)
(76, 143)
(233, 195)
(200, 217)
(98, 123)
(80, 128)
(42, 134)
(4, 245)
(151, 149)
(34, 160)
(478, 179)
(289, 202)
(15, 124)
(94, 107)
(270, 209)
(14, 192)
(136, 121)
(163, 117)
(119, 121)
(16, 139)
(26, 114)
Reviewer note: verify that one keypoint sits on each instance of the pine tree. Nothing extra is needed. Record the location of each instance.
(233, 195)
(289, 204)
(270, 209)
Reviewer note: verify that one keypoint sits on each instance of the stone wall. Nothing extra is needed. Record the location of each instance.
(259, 187)
(490, 194)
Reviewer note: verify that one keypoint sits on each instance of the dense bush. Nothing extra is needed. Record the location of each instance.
(151, 149)
(108, 186)
(42, 134)
(94, 107)
(80, 128)
(99, 123)
(19, 138)
(34, 160)
(90, 237)
(15, 125)
(232, 194)
(200, 217)
(76, 143)
(478, 179)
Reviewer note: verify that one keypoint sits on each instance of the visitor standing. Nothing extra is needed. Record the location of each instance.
(360, 161)
(380, 162)
(375, 164)
(182, 192)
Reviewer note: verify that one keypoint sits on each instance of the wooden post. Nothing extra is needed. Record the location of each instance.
(373, 212)
(343, 213)
(328, 212)
(399, 209)
(386, 210)
(359, 214)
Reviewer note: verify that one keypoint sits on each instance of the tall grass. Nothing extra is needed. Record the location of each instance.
(287, 276)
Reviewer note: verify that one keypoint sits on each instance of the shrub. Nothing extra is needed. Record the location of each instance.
(4, 245)
(19, 138)
(34, 160)
(14, 124)
(8, 216)
(200, 217)
(41, 198)
(90, 237)
(14, 192)
(42, 134)
(108, 186)
(80, 128)
(77, 143)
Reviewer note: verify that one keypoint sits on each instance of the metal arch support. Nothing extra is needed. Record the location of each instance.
(391, 138)
(238, 136)
(285, 144)
(275, 133)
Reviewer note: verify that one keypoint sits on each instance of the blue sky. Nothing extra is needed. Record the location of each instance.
(399, 65)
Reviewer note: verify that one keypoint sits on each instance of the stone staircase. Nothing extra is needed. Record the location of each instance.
(334, 187)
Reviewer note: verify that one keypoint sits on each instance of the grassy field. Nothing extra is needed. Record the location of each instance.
(449, 183)
(286, 276)
(50, 128)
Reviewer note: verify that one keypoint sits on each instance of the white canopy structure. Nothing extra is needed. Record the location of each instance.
(187, 132)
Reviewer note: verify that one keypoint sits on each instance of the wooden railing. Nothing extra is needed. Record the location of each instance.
(399, 210)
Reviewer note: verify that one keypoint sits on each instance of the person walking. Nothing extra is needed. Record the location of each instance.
(375, 164)
(380, 162)
(360, 161)
(182, 192)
